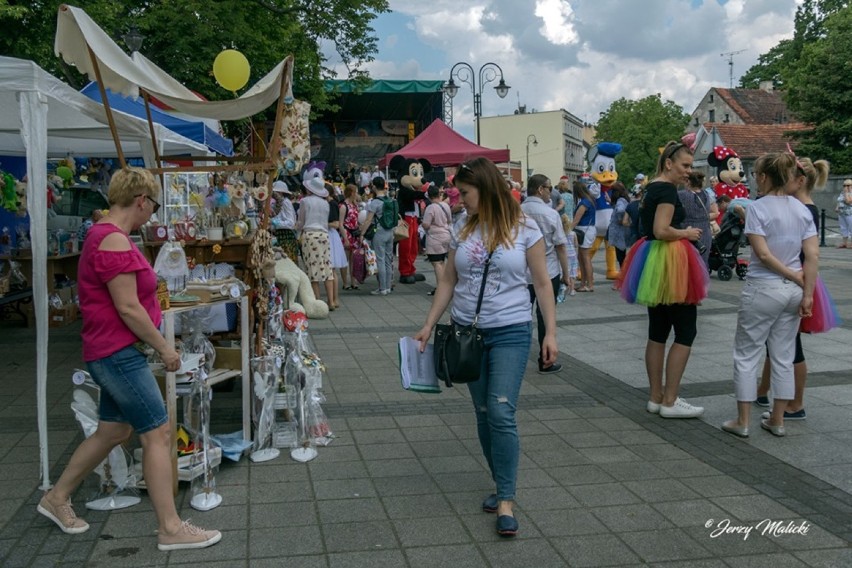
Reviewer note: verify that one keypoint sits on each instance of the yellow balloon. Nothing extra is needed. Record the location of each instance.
(231, 69)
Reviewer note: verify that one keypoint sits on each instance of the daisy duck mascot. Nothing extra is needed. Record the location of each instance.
(730, 171)
(601, 159)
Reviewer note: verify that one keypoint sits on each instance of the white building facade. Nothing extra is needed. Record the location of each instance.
(549, 143)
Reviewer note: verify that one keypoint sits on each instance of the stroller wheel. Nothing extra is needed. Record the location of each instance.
(742, 271)
(725, 273)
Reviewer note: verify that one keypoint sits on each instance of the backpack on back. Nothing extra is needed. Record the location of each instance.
(390, 213)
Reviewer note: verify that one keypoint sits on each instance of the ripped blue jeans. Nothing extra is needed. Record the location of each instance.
(495, 399)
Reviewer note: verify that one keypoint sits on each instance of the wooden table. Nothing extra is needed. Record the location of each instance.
(216, 376)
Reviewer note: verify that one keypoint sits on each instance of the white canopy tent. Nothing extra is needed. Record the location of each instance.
(79, 40)
(41, 117)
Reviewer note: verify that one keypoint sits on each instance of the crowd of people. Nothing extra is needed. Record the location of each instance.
(496, 253)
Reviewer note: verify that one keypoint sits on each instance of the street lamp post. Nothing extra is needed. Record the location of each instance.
(488, 73)
(133, 39)
(530, 137)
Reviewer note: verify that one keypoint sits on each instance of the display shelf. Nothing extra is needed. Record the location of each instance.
(216, 376)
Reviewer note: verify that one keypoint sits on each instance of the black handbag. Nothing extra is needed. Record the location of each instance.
(459, 348)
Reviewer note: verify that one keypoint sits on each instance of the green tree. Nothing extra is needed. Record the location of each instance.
(184, 37)
(809, 26)
(642, 127)
(819, 93)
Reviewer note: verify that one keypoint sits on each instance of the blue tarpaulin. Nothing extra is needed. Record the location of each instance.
(197, 131)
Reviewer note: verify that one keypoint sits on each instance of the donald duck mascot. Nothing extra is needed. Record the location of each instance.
(601, 158)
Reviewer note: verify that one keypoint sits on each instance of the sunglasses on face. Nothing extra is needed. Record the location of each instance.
(151, 199)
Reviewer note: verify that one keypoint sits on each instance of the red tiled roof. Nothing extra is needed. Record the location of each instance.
(752, 140)
(756, 106)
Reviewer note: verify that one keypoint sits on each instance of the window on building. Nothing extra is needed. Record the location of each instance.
(711, 97)
(711, 115)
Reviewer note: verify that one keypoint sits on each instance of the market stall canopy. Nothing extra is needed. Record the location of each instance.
(443, 146)
(77, 34)
(75, 123)
(194, 130)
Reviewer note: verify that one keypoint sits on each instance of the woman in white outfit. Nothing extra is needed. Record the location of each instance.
(779, 291)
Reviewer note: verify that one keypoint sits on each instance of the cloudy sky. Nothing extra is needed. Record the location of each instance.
(579, 55)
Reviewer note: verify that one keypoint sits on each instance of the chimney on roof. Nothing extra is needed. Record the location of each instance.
(767, 86)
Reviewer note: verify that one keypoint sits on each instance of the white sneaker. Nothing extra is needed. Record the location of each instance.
(386, 291)
(378, 292)
(681, 409)
(653, 407)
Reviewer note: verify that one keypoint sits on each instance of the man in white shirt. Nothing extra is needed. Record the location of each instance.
(537, 207)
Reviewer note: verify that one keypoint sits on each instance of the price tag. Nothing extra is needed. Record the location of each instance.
(78, 378)
(234, 291)
(278, 361)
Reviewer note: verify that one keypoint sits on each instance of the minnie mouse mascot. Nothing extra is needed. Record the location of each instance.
(729, 170)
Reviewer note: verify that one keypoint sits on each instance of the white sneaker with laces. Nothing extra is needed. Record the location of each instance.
(377, 292)
(681, 409)
(653, 407)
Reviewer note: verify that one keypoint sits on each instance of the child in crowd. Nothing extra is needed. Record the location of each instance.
(571, 248)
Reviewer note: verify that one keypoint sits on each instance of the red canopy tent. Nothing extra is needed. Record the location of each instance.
(443, 146)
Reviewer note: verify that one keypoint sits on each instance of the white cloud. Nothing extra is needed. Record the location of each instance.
(582, 56)
(556, 16)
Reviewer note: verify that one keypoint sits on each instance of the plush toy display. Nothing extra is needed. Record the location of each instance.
(729, 170)
(21, 192)
(601, 159)
(299, 288)
(412, 188)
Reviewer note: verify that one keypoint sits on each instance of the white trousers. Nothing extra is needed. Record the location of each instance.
(845, 225)
(767, 316)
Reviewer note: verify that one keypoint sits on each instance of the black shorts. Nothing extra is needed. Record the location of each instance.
(681, 317)
(437, 257)
(799, 356)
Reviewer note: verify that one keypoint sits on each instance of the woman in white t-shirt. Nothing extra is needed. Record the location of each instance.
(779, 291)
(496, 226)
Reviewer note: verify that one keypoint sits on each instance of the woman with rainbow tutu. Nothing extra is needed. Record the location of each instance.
(663, 270)
(779, 290)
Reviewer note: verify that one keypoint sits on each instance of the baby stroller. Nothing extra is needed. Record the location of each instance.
(725, 248)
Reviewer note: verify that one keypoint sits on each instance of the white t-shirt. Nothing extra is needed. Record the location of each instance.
(550, 225)
(784, 222)
(506, 300)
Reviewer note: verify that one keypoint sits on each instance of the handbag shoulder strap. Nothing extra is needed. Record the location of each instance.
(482, 288)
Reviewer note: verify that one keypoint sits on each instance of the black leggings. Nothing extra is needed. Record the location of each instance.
(799, 356)
(681, 317)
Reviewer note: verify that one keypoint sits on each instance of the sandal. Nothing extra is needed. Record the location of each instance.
(585, 289)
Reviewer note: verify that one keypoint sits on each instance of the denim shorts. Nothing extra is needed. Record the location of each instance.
(129, 392)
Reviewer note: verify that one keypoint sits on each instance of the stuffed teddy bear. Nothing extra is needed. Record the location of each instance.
(299, 288)
(729, 170)
(412, 188)
(601, 157)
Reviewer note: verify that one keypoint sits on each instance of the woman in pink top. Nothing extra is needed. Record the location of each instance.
(118, 300)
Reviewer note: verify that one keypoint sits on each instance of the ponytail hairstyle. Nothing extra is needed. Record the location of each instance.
(777, 166)
(498, 213)
(816, 172)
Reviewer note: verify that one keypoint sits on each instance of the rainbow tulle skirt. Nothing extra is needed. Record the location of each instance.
(824, 315)
(663, 272)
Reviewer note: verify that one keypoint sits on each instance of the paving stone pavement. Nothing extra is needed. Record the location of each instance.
(601, 481)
